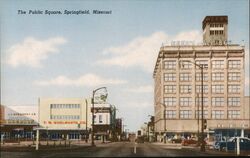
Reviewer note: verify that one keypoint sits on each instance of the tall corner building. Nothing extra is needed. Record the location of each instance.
(177, 86)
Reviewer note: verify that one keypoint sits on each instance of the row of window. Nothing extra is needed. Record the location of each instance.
(216, 64)
(216, 25)
(215, 89)
(216, 114)
(64, 106)
(216, 32)
(21, 114)
(64, 117)
(216, 101)
(217, 76)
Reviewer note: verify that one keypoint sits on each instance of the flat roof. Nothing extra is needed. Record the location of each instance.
(214, 19)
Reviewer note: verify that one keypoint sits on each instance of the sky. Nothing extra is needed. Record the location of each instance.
(51, 56)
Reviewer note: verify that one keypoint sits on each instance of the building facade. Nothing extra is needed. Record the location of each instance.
(104, 121)
(18, 122)
(178, 84)
(62, 118)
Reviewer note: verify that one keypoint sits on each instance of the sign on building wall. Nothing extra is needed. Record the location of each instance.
(20, 114)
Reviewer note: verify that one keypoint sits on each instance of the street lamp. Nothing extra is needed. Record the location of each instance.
(198, 118)
(201, 66)
(102, 97)
(47, 135)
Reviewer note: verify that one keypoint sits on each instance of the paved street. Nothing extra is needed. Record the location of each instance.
(117, 149)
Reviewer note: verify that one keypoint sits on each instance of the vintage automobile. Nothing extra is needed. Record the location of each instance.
(231, 144)
(189, 141)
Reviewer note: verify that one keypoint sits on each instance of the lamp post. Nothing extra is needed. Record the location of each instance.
(103, 97)
(123, 131)
(86, 138)
(201, 66)
(147, 131)
(47, 135)
(198, 118)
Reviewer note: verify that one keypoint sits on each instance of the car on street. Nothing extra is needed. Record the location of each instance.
(230, 144)
(190, 141)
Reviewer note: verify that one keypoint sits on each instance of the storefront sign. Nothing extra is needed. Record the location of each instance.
(64, 122)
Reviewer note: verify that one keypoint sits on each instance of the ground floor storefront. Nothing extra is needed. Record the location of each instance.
(210, 135)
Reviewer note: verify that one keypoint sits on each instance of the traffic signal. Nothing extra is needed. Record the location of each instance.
(205, 124)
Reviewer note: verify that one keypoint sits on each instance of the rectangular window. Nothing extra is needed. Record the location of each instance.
(198, 76)
(217, 89)
(218, 64)
(185, 114)
(205, 114)
(198, 88)
(234, 114)
(64, 106)
(234, 101)
(185, 77)
(185, 101)
(211, 32)
(64, 117)
(169, 77)
(170, 114)
(217, 101)
(170, 64)
(218, 76)
(100, 118)
(198, 101)
(234, 64)
(217, 114)
(233, 88)
(170, 101)
(170, 89)
(185, 89)
(234, 76)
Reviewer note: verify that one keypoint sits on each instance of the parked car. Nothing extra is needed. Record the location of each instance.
(231, 144)
(189, 141)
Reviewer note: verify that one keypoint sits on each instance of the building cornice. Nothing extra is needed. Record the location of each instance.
(198, 51)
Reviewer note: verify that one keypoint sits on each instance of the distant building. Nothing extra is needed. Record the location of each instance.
(105, 115)
(177, 92)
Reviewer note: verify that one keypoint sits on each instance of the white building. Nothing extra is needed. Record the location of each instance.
(65, 117)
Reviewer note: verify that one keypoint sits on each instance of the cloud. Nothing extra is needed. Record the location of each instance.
(31, 51)
(142, 51)
(88, 80)
(140, 105)
(141, 89)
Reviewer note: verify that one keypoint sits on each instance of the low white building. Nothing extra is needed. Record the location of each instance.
(65, 117)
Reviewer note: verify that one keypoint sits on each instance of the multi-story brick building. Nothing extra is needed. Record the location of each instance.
(178, 85)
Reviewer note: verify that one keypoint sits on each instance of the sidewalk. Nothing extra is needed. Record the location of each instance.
(197, 149)
(50, 145)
